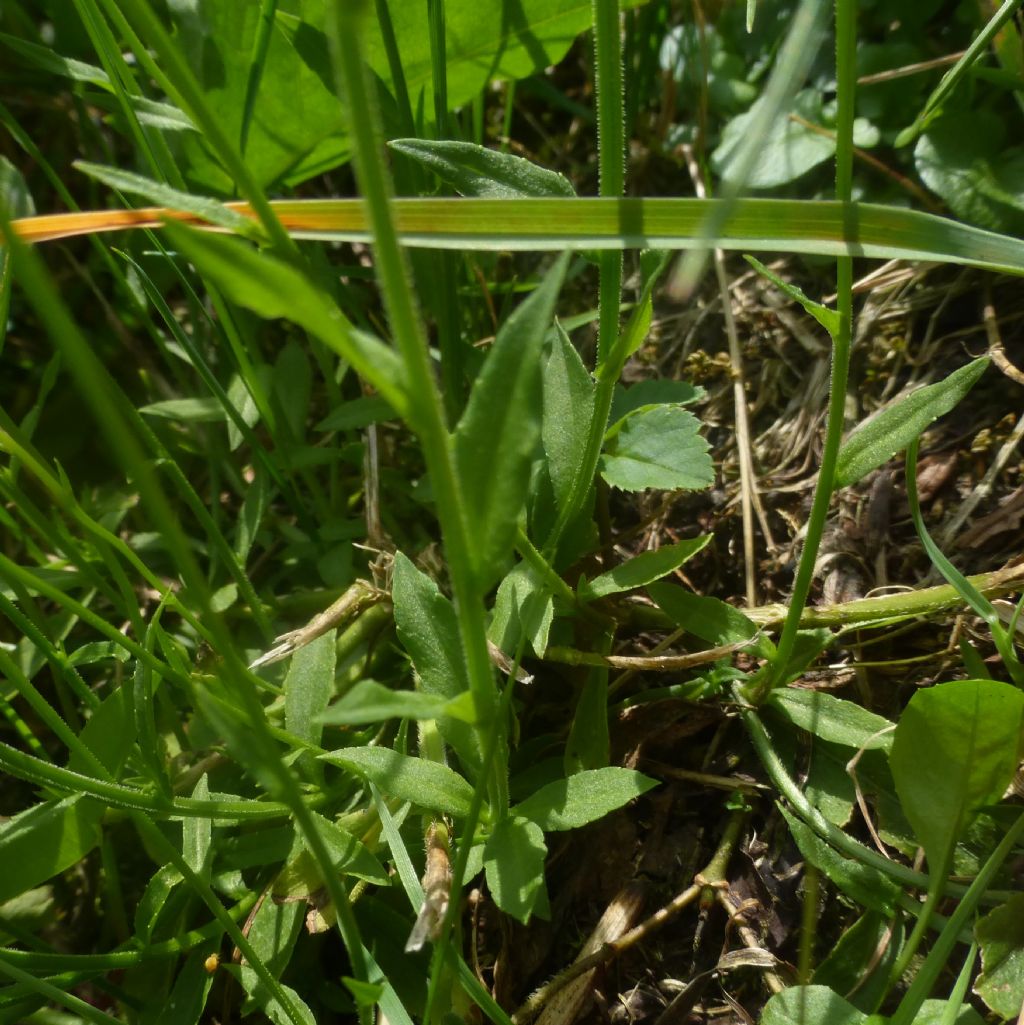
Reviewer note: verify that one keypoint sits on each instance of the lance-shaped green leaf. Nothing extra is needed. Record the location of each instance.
(568, 399)
(862, 230)
(827, 318)
(643, 569)
(473, 170)
(710, 619)
(369, 701)
(163, 195)
(583, 797)
(429, 631)
(46, 839)
(861, 882)
(496, 437)
(272, 288)
(424, 783)
(810, 1005)
(831, 718)
(879, 439)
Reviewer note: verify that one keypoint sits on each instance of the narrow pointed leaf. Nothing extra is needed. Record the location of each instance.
(878, 440)
(272, 288)
(583, 797)
(477, 171)
(644, 568)
(495, 439)
(568, 410)
(425, 784)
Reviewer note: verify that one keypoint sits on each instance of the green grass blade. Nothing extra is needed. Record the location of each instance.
(821, 227)
(952, 78)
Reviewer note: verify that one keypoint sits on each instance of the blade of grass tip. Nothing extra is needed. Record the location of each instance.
(820, 227)
(951, 79)
(177, 80)
(846, 83)
(791, 67)
(257, 61)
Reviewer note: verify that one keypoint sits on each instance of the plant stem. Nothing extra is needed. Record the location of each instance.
(845, 85)
(611, 171)
(426, 409)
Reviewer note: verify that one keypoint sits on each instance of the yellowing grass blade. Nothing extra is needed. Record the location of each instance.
(794, 226)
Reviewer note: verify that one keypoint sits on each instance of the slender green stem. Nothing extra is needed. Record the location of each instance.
(611, 157)
(117, 795)
(941, 950)
(1001, 636)
(426, 412)
(159, 842)
(85, 1010)
(611, 168)
(845, 86)
(46, 961)
(838, 839)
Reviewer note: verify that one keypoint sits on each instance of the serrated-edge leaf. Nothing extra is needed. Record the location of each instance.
(876, 441)
(657, 448)
(644, 568)
(658, 391)
(424, 783)
(474, 170)
(583, 797)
